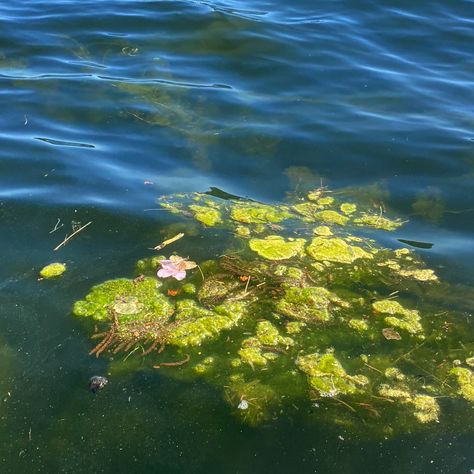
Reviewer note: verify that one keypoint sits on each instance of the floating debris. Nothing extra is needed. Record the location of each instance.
(97, 382)
(53, 270)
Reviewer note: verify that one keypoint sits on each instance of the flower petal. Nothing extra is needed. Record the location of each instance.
(166, 272)
(180, 275)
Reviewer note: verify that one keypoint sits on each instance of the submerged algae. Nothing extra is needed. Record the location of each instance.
(327, 376)
(234, 324)
(311, 304)
(400, 317)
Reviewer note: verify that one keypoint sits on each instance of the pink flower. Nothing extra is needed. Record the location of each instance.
(169, 269)
(175, 267)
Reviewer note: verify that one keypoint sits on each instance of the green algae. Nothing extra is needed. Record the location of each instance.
(465, 379)
(348, 208)
(312, 304)
(323, 230)
(255, 213)
(335, 250)
(400, 317)
(378, 222)
(103, 298)
(53, 270)
(208, 216)
(275, 247)
(327, 376)
(271, 335)
(331, 217)
(358, 324)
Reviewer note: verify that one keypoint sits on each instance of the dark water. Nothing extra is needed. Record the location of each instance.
(107, 105)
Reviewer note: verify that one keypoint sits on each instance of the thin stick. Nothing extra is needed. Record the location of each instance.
(71, 236)
(169, 241)
(202, 274)
(173, 364)
(247, 285)
(403, 356)
(345, 404)
(56, 227)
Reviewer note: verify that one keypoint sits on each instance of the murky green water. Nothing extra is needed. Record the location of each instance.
(106, 106)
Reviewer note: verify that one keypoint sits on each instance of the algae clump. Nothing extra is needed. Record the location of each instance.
(53, 270)
(255, 213)
(331, 217)
(275, 247)
(206, 215)
(311, 304)
(379, 222)
(327, 376)
(465, 380)
(335, 250)
(400, 317)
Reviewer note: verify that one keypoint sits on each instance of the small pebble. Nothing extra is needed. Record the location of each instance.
(97, 383)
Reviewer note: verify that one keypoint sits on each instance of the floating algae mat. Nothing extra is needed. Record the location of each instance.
(303, 310)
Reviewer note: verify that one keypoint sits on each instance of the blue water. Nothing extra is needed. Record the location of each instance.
(107, 105)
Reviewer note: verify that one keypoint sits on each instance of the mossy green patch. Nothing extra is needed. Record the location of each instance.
(323, 230)
(255, 213)
(465, 380)
(327, 376)
(331, 217)
(107, 297)
(336, 250)
(400, 317)
(208, 216)
(275, 247)
(311, 304)
(348, 208)
(53, 270)
(378, 221)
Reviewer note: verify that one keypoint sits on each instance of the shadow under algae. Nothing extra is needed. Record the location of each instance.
(306, 311)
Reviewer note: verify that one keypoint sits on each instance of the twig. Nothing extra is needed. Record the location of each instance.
(56, 227)
(247, 285)
(71, 236)
(373, 368)
(173, 364)
(345, 404)
(202, 274)
(169, 241)
(403, 356)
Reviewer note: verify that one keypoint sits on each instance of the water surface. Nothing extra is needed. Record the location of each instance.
(107, 105)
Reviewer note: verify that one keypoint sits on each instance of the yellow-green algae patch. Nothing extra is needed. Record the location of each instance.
(323, 230)
(465, 380)
(206, 215)
(327, 376)
(122, 293)
(255, 213)
(331, 217)
(325, 201)
(311, 304)
(348, 208)
(425, 407)
(197, 324)
(275, 247)
(256, 350)
(335, 250)
(378, 221)
(400, 317)
(53, 270)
